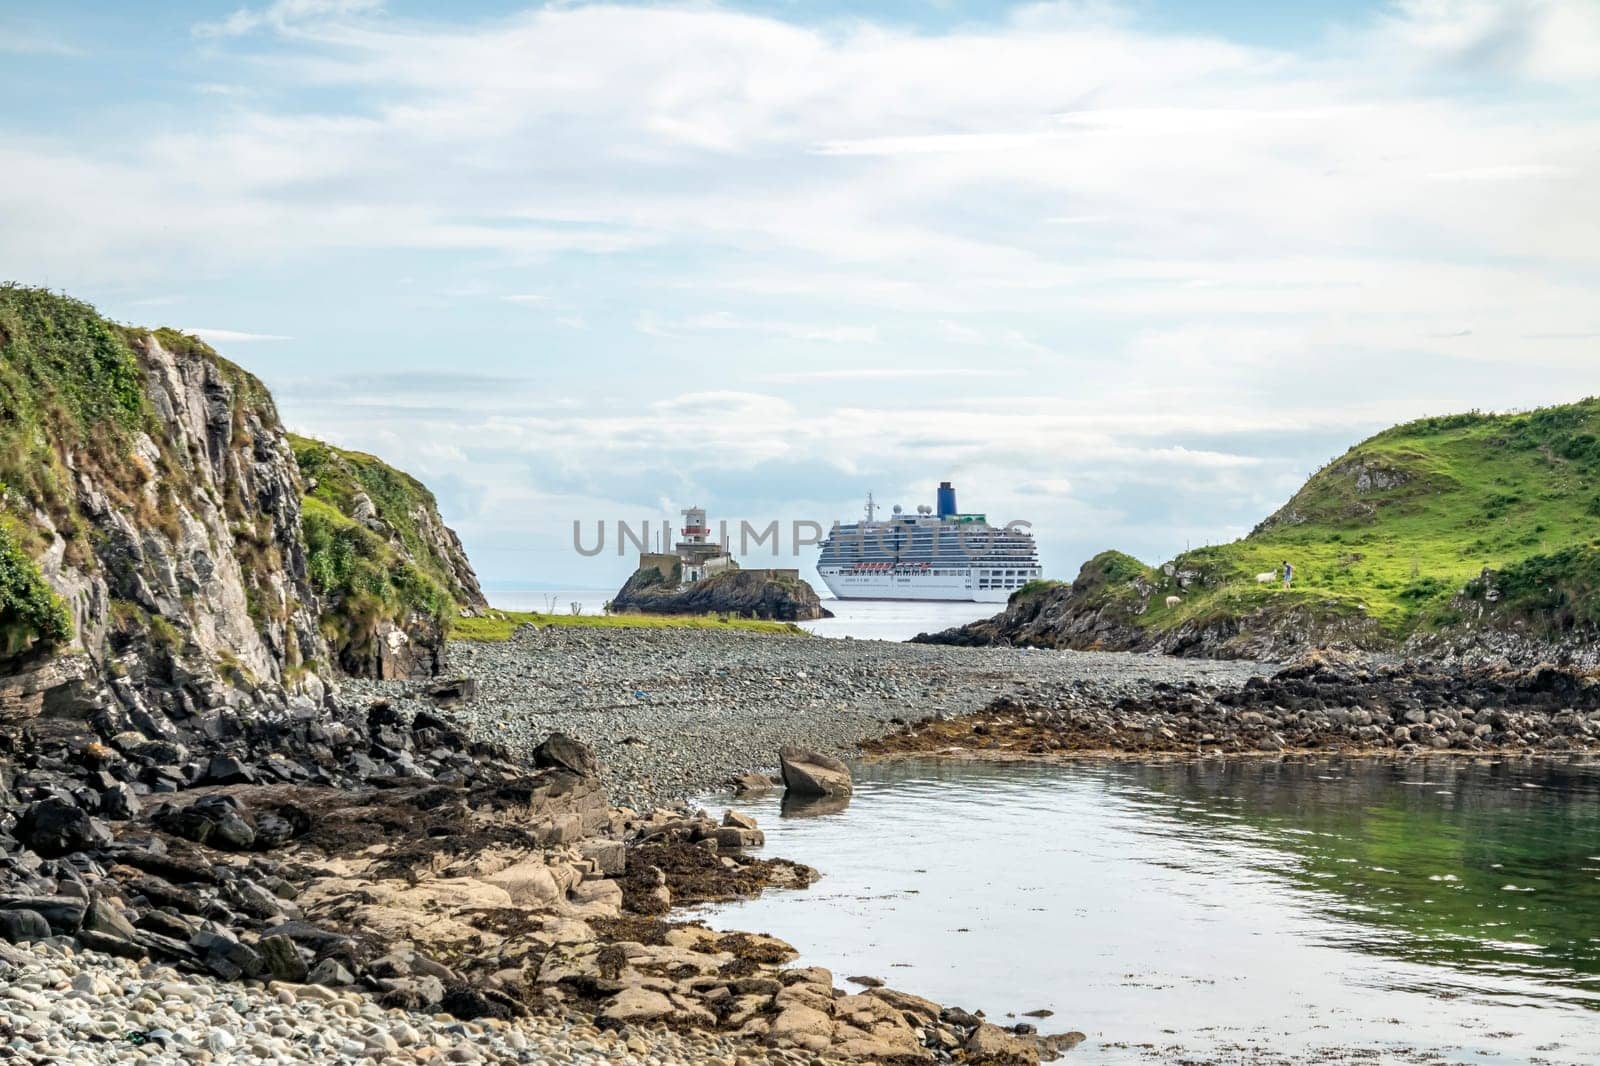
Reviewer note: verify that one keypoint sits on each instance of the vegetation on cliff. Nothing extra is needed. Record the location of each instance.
(364, 584)
(158, 480)
(32, 618)
(364, 488)
(1478, 521)
(69, 385)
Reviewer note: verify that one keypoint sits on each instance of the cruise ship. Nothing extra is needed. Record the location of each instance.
(936, 554)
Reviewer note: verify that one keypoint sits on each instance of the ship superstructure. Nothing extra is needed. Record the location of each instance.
(937, 553)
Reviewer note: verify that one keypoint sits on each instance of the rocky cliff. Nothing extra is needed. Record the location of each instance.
(742, 593)
(1464, 537)
(390, 572)
(157, 564)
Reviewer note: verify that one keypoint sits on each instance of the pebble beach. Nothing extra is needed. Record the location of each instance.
(674, 714)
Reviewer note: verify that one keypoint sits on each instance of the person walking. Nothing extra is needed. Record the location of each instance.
(1288, 573)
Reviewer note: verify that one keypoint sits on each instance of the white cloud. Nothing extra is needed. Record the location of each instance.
(230, 336)
(648, 322)
(1541, 40)
(1084, 254)
(884, 373)
(284, 16)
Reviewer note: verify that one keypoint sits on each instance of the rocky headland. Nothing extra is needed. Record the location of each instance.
(735, 592)
(216, 846)
(1461, 539)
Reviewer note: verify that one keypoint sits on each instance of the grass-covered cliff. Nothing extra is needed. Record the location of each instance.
(377, 549)
(1429, 532)
(158, 537)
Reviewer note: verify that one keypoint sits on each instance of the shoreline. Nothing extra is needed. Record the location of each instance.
(514, 843)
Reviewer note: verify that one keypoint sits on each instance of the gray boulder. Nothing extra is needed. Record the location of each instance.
(54, 827)
(560, 750)
(23, 926)
(283, 960)
(810, 773)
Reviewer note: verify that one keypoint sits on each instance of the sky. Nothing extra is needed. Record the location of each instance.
(1127, 271)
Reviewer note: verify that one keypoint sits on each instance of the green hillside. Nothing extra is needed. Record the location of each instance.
(1393, 538)
(403, 508)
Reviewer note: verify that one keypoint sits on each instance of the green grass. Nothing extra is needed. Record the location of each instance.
(364, 582)
(340, 474)
(68, 382)
(1464, 493)
(500, 625)
(32, 617)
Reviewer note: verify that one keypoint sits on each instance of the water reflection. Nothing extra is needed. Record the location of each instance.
(1237, 910)
(1430, 861)
(794, 806)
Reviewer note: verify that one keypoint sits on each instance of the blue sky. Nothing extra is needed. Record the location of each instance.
(1128, 271)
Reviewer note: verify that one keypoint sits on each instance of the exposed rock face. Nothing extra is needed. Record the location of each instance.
(174, 534)
(745, 593)
(810, 773)
(195, 581)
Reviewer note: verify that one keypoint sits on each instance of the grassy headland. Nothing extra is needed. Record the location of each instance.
(1467, 519)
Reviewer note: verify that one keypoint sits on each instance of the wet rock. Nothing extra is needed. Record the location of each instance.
(119, 802)
(810, 773)
(55, 827)
(752, 784)
(224, 955)
(215, 820)
(330, 973)
(106, 930)
(446, 694)
(228, 770)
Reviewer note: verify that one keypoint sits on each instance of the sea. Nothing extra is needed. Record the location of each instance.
(856, 619)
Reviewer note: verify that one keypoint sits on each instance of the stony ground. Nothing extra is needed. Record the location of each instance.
(59, 1004)
(673, 714)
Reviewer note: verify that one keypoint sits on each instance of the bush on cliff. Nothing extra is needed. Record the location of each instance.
(338, 477)
(364, 582)
(31, 616)
(68, 383)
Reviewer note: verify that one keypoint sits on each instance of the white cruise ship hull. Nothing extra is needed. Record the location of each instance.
(950, 585)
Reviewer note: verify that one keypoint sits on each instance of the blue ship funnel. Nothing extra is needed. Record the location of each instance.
(947, 500)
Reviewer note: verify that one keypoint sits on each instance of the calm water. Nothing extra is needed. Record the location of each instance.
(861, 619)
(892, 620)
(1248, 912)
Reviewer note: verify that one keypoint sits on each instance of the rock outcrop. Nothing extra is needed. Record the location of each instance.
(160, 559)
(1318, 703)
(810, 773)
(741, 593)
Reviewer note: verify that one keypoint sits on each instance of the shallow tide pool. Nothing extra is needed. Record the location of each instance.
(1249, 911)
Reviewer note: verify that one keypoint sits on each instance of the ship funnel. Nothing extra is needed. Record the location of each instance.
(947, 500)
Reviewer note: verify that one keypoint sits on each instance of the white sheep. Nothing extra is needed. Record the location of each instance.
(1173, 601)
(1267, 578)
